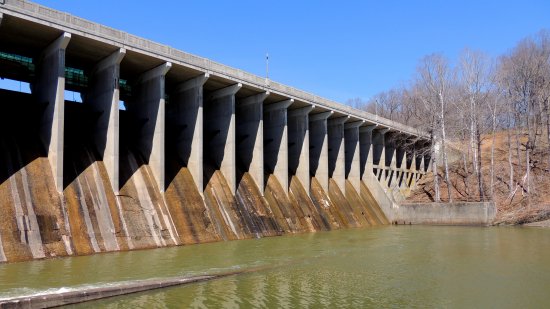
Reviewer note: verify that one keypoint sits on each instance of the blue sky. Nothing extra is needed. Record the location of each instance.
(336, 49)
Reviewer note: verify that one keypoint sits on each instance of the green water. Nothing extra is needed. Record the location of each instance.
(457, 267)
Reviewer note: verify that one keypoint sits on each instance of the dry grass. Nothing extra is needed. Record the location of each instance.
(514, 206)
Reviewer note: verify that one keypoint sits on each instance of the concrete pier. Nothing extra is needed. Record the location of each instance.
(390, 159)
(318, 147)
(186, 109)
(276, 140)
(103, 97)
(250, 136)
(220, 132)
(352, 150)
(50, 93)
(365, 150)
(298, 144)
(148, 109)
(379, 154)
(336, 152)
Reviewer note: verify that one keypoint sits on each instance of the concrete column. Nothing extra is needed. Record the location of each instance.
(49, 90)
(187, 111)
(390, 149)
(402, 166)
(336, 151)
(422, 163)
(318, 147)
(250, 136)
(390, 158)
(413, 171)
(365, 150)
(276, 140)
(428, 162)
(148, 106)
(1, 17)
(298, 144)
(103, 98)
(351, 137)
(219, 125)
(378, 152)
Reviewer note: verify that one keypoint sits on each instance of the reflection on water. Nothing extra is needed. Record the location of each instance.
(374, 267)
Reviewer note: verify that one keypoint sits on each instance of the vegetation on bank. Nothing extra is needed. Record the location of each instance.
(489, 119)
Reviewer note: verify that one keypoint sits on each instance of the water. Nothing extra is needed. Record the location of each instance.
(402, 266)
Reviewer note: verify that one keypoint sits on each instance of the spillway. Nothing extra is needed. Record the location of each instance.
(89, 217)
(167, 148)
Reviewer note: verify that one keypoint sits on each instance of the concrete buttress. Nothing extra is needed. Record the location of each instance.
(220, 130)
(49, 90)
(365, 150)
(276, 141)
(336, 151)
(250, 136)
(103, 97)
(298, 144)
(148, 108)
(378, 154)
(318, 147)
(390, 158)
(352, 151)
(186, 103)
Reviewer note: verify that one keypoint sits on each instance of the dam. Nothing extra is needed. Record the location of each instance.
(167, 148)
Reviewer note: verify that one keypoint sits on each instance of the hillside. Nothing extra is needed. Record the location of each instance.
(514, 206)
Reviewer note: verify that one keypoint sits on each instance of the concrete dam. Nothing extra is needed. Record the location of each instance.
(167, 148)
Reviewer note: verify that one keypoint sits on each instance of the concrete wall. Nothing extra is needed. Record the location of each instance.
(460, 213)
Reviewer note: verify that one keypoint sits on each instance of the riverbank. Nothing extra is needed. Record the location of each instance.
(545, 223)
(514, 205)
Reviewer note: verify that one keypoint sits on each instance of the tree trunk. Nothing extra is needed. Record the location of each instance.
(444, 147)
(474, 141)
(434, 171)
(510, 161)
(493, 129)
(478, 168)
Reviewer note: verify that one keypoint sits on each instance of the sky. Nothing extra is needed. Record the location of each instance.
(335, 49)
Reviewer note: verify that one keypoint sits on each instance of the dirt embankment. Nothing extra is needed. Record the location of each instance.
(518, 202)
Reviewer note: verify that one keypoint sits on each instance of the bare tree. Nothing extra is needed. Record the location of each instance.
(525, 73)
(434, 79)
(475, 82)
